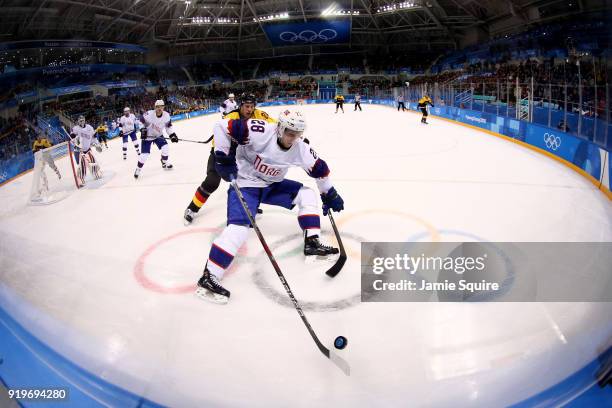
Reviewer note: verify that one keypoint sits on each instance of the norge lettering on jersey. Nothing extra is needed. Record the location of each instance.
(262, 161)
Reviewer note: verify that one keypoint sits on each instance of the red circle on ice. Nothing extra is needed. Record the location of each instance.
(147, 283)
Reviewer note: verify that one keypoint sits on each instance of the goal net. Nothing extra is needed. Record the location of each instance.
(54, 174)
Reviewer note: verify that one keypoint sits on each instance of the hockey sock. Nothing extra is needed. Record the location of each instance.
(224, 247)
(308, 210)
(198, 200)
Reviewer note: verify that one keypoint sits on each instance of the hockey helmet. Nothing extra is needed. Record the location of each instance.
(292, 120)
(247, 98)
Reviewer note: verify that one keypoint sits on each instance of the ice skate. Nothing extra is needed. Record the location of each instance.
(188, 217)
(210, 289)
(314, 250)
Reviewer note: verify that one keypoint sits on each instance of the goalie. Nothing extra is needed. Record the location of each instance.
(83, 136)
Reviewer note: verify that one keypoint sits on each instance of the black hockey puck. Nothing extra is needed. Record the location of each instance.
(340, 342)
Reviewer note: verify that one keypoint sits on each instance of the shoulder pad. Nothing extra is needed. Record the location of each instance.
(232, 115)
(259, 114)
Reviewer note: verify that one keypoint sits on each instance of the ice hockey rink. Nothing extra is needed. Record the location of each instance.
(106, 276)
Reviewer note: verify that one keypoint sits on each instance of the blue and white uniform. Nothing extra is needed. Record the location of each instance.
(83, 136)
(227, 106)
(262, 166)
(154, 127)
(127, 125)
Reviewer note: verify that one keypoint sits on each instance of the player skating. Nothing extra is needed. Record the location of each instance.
(423, 102)
(339, 103)
(265, 153)
(83, 136)
(154, 123)
(400, 103)
(357, 102)
(210, 184)
(127, 128)
(228, 105)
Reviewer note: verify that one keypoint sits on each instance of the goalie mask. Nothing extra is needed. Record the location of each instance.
(81, 121)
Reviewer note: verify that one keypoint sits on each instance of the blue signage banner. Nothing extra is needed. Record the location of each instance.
(69, 90)
(20, 45)
(316, 32)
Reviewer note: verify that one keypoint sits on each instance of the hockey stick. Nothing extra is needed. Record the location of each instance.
(337, 267)
(77, 180)
(339, 361)
(192, 141)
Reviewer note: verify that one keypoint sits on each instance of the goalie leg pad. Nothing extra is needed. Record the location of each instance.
(95, 168)
(83, 163)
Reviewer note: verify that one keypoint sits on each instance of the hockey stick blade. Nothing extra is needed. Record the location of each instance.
(337, 360)
(337, 267)
(340, 363)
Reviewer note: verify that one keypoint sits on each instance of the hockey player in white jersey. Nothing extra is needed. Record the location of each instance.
(264, 154)
(83, 136)
(127, 128)
(228, 105)
(155, 123)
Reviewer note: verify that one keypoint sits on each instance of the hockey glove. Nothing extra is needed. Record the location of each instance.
(238, 130)
(174, 138)
(332, 201)
(226, 166)
(143, 133)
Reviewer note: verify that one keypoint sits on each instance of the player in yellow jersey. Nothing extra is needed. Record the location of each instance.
(246, 110)
(339, 103)
(423, 107)
(41, 143)
(102, 134)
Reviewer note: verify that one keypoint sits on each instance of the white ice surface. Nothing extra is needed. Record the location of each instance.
(106, 276)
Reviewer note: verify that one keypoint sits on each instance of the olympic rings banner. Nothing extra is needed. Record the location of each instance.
(311, 33)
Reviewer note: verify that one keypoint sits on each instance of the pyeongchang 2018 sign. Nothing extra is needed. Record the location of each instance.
(311, 33)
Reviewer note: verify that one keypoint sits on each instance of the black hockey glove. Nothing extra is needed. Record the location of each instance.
(332, 201)
(174, 138)
(226, 166)
(143, 133)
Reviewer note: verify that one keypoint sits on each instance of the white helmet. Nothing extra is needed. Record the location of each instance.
(159, 102)
(292, 120)
(231, 95)
(126, 109)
